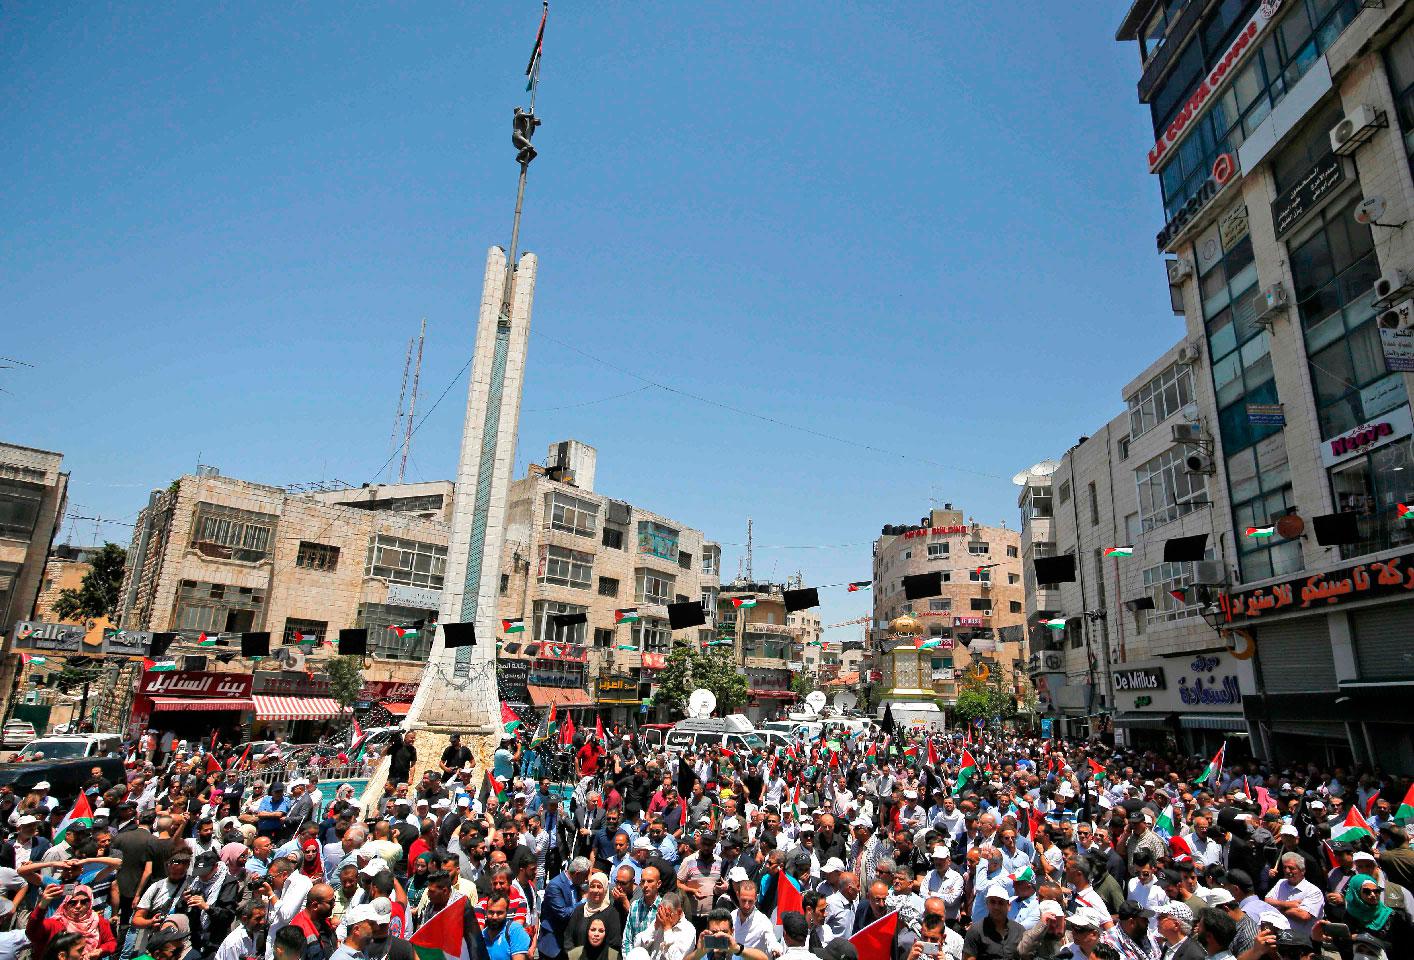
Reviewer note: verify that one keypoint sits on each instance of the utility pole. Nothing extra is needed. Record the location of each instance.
(750, 574)
(412, 402)
(402, 396)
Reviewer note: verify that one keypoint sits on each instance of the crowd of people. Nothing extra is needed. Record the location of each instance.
(884, 845)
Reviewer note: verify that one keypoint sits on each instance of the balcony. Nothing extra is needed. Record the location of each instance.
(1048, 599)
(1038, 530)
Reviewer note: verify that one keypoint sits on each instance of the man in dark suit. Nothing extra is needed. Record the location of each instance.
(589, 818)
(561, 897)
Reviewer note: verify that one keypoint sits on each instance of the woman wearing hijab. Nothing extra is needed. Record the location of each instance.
(233, 858)
(1366, 912)
(75, 915)
(597, 945)
(597, 905)
(417, 880)
(312, 860)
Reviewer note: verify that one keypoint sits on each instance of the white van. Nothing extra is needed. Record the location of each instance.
(696, 733)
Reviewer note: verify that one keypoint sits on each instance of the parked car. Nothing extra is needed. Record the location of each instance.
(65, 762)
(72, 747)
(16, 734)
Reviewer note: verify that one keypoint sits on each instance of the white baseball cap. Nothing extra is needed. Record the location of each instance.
(42, 785)
(940, 852)
(1287, 830)
(359, 913)
(382, 909)
(832, 865)
(374, 867)
(737, 875)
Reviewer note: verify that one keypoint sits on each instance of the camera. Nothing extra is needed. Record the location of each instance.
(717, 943)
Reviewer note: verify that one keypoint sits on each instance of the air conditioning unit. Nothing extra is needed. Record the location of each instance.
(1210, 573)
(1187, 433)
(1198, 463)
(1179, 270)
(1389, 287)
(1190, 353)
(1355, 128)
(1271, 302)
(1398, 317)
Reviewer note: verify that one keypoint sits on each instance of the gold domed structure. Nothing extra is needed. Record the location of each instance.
(906, 625)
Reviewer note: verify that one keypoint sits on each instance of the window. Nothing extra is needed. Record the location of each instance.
(316, 629)
(1064, 496)
(652, 586)
(947, 578)
(1157, 400)
(1014, 606)
(908, 554)
(1013, 552)
(979, 548)
(226, 533)
(1012, 578)
(505, 583)
(1094, 505)
(406, 561)
(1370, 486)
(603, 638)
(984, 575)
(317, 556)
(19, 509)
(608, 587)
(1037, 503)
(379, 619)
(546, 630)
(982, 603)
(1167, 490)
(1259, 485)
(657, 540)
(565, 567)
(571, 514)
(1160, 580)
(1334, 270)
(652, 635)
(613, 538)
(937, 551)
(940, 605)
(1399, 57)
(1306, 30)
(684, 559)
(217, 608)
(711, 561)
(1075, 633)
(1123, 445)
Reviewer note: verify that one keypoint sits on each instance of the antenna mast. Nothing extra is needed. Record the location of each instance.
(412, 402)
(402, 395)
(750, 576)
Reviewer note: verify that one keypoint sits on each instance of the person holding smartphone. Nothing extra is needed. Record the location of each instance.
(717, 942)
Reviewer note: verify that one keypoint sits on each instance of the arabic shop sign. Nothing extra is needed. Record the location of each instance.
(1315, 184)
(1214, 691)
(1362, 582)
(1224, 170)
(196, 683)
(128, 643)
(616, 689)
(54, 637)
(934, 532)
(1140, 678)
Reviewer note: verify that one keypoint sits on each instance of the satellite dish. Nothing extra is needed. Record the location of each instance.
(1021, 478)
(1290, 526)
(701, 703)
(815, 700)
(846, 700)
(1045, 468)
(1370, 209)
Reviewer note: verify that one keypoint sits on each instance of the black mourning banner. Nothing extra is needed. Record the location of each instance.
(1055, 569)
(684, 615)
(920, 586)
(802, 599)
(353, 643)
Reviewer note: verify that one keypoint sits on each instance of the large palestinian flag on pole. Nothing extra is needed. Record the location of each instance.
(442, 937)
(968, 771)
(81, 815)
(1354, 829)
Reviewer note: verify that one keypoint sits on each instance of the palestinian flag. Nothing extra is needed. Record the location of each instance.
(1164, 825)
(876, 941)
(740, 602)
(498, 789)
(408, 633)
(626, 646)
(932, 753)
(795, 802)
(166, 665)
(212, 764)
(626, 616)
(1212, 776)
(509, 720)
(1118, 552)
(911, 751)
(1258, 533)
(1354, 828)
(1404, 510)
(928, 644)
(81, 816)
(513, 626)
(1405, 812)
(357, 736)
(209, 639)
(968, 771)
(1058, 623)
(1180, 595)
(871, 755)
(36, 660)
(532, 69)
(443, 936)
(860, 585)
(1097, 770)
(243, 758)
(788, 897)
(551, 730)
(1025, 875)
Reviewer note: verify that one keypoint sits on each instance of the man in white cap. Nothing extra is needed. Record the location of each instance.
(830, 872)
(943, 881)
(993, 935)
(912, 814)
(359, 923)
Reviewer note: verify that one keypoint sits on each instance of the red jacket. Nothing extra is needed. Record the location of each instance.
(41, 930)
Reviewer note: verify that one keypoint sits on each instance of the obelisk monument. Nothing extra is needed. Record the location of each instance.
(458, 691)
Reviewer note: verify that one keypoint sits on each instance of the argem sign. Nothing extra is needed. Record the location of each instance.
(1224, 169)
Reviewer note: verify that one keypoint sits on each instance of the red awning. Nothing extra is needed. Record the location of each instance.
(200, 704)
(269, 707)
(562, 697)
(398, 709)
(773, 694)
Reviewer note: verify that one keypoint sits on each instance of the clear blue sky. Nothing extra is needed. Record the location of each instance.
(928, 228)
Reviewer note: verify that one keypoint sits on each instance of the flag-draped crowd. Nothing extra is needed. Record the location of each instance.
(871, 843)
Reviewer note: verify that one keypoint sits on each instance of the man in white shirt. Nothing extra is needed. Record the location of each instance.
(943, 881)
(841, 905)
(750, 926)
(669, 937)
(289, 888)
(240, 942)
(1299, 900)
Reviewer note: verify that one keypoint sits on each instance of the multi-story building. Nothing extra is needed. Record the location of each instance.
(578, 555)
(1282, 139)
(64, 570)
(33, 494)
(217, 555)
(978, 618)
(769, 645)
(1129, 645)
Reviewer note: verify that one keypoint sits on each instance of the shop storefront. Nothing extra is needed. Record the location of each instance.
(296, 705)
(1192, 704)
(617, 697)
(193, 703)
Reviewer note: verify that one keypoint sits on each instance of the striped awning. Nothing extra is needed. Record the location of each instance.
(268, 707)
(562, 697)
(200, 704)
(397, 709)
